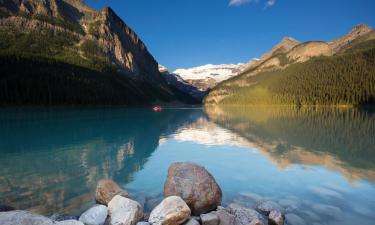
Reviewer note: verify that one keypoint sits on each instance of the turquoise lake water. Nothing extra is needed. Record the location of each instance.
(318, 163)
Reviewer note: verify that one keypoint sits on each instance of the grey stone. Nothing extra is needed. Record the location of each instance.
(225, 218)
(95, 215)
(209, 219)
(62, 217)
(143, 223)
(276, 218)
(18, 217)
(124, 211)
(293, 219)
(256, 222)
(191, 221)
(266, 207)
(69, 222)
(244, 216)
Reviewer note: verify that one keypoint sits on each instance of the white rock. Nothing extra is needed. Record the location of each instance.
(69, 222)
(95, 215)
(124, 211)
(171, 211)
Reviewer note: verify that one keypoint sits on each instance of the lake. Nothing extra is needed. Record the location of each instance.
(318, 163)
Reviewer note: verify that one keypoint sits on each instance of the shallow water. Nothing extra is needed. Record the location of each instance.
(319, 163)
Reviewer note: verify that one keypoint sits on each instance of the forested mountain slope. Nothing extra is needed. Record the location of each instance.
(64, 52)
(341, 72)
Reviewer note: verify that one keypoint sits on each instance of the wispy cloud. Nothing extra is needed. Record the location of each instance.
(267, 4)
(239, 2)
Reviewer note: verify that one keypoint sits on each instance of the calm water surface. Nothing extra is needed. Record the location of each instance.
(319, 163)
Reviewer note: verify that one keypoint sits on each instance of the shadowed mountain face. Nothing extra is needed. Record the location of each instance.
(312, 136)
(61, 43)
(59, 173)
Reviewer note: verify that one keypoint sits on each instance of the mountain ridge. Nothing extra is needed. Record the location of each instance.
(260, 80)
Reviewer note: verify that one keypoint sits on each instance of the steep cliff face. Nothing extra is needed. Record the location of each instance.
(119, 44)
(71, 32)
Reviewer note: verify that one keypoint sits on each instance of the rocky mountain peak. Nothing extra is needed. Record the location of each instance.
(285, 45)
(360, 29)
(288, 41)
(357, 32)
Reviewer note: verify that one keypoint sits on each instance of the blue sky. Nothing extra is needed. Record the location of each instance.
(186, 33)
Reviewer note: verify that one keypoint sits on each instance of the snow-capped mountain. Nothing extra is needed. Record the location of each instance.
(208, 76)
(176, 82)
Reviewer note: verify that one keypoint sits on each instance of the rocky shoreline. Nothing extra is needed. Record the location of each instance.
(191, 197)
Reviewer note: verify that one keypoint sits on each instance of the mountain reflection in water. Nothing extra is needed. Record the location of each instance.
(341, 139)
(305, 159)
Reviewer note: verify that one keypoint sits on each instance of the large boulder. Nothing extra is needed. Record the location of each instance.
(95, 215)
(171, 211)
(107, 189)
(245, 216)
(195, 185)
(23, 218)
(124, 211)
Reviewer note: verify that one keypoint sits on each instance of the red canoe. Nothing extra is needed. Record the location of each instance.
(156, 108)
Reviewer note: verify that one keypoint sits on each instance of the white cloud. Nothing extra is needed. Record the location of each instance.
(268, 3)
(238, 2)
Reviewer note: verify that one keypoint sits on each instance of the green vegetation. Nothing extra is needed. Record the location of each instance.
(50, 67)
(35, 80)
(347, 79)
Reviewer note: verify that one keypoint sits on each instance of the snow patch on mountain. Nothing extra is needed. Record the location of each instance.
(217, 72)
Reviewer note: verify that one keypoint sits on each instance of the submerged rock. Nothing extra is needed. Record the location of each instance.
(171, 211)
(124, 211)
(209, 219)
(276, 218)
(266, 207)
(293, 219)
(245, 216)
(95, 215)
(107, 189)
(152, 203)
(327, 210)
(23, 218)
(195, 185)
